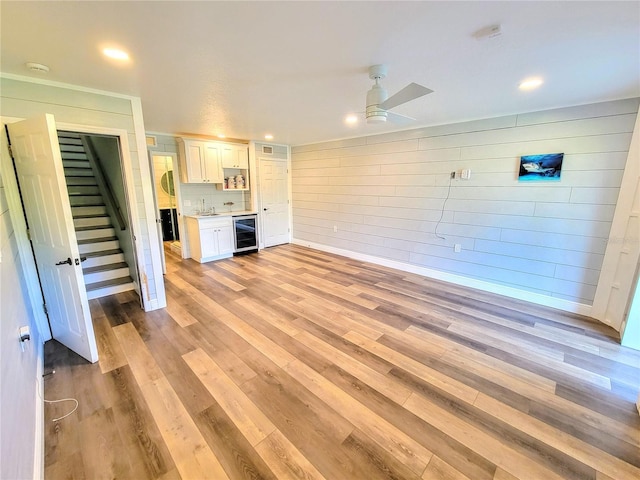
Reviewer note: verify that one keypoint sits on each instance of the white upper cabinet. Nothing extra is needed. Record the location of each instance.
(235, 156)
(200, 161)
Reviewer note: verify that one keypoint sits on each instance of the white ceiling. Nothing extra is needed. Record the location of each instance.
(295, 69)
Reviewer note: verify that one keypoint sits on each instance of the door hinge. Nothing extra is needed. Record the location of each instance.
(44, 307)
(10, 150)
(29, 234)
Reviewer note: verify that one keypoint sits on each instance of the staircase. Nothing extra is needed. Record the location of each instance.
(105, 270)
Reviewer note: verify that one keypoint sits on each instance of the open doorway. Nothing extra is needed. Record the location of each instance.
(99, 205)
(166, 187)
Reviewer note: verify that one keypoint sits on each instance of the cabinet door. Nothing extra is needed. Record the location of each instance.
(242, 158)
(194, 162)
(209, 242)
(225, 239)
(234, 156)
(228, 157)
(212, 163)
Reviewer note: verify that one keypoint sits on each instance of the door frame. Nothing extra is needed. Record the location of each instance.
(176, 186)
(127, 171)
(258, 187)
(16, 212)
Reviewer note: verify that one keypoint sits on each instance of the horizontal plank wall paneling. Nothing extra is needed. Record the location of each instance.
(21, 434)
(390, 196)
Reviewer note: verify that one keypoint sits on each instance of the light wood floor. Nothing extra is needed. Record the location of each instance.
(293, 363)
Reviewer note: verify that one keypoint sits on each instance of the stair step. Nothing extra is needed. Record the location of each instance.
(107, 272)
(75, 163)
(98, 240)
(99, 227)
(103, 268)
(104, 257)
(74, 156)
(95, 233)
(73, 147)
(86, 201)
(98, 244)
(109, 287)
(83, 190)
(90, 211)
(68, 134)
(80, 181)
(91, 222)
(64, 142)
(78, 172)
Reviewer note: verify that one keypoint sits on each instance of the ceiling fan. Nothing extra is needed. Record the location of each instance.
(379, 103)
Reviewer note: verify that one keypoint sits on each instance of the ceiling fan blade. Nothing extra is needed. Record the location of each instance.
(408, 93)
(399, 119)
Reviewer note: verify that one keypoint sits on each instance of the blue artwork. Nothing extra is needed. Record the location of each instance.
(545, 167)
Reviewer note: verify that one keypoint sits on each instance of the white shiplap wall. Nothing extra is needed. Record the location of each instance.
(384, 195)
(20, 436)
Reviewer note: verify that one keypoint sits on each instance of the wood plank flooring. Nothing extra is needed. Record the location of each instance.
(297, 364)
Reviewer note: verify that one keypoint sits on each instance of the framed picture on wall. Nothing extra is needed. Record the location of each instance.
(546, 167)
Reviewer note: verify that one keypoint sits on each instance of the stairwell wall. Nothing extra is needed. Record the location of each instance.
(109, 154)
(23, 98)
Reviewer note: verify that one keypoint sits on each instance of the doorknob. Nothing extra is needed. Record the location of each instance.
(68, 260)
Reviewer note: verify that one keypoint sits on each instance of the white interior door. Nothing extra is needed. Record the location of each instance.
(274, 201)
(43, 188)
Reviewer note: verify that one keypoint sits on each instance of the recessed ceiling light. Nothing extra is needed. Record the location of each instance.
(37, 67)
(268, 136)
(116, 54)
(530, 84)
(351, 119)
(221, 135)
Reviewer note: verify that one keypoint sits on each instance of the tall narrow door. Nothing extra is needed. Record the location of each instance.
(274, 202)
(43, 188)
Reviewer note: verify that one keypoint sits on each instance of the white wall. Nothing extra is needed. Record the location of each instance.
(23, 99)
(108, 151)
(19, 371)
(385, 193)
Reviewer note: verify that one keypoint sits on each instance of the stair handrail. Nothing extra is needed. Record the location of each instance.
(103, 182)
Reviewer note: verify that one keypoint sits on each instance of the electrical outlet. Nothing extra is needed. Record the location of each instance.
(335, 229)
(457, 248)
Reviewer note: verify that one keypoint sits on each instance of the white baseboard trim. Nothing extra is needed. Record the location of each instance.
(558, 303)
(38, 454)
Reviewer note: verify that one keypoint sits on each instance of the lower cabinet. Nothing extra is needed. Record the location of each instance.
(210, 238)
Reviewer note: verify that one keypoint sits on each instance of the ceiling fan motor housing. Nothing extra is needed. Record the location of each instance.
(375, 97)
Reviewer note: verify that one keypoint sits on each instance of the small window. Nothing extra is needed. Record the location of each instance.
(267, 149)
(152, 141)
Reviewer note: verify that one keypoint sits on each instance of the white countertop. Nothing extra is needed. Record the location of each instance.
(222, 214)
